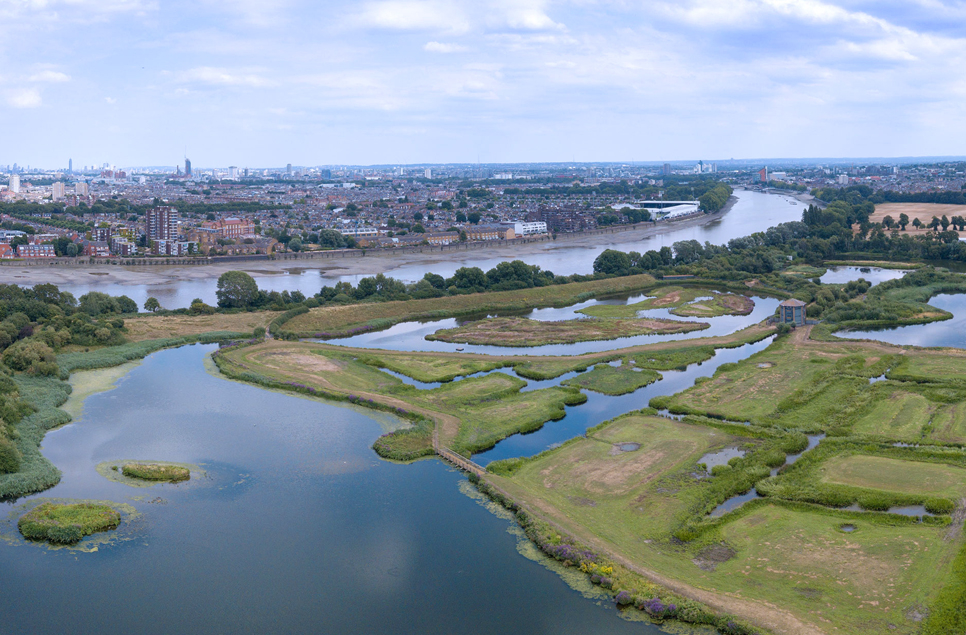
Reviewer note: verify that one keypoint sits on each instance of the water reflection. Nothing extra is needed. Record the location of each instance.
(301, 529)
(950, 333)
(410, 336)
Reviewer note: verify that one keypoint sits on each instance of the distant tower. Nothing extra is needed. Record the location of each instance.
(15, 183)
(187, 166)
(70, 166)
(288, 169)
(429, 173)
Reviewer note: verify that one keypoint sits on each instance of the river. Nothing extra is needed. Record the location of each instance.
(753, 211)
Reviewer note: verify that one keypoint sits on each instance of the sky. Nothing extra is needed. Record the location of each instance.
(257, 83)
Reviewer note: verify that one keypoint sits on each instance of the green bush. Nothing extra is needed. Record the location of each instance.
(21, 355)
(9, 456)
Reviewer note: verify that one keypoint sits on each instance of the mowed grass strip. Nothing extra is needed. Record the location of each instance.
(524, 332)
(895, 475)
(339, 320)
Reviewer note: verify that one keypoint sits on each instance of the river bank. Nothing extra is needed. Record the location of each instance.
(348, 263)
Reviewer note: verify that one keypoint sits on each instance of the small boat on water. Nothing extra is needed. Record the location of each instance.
(459, 349)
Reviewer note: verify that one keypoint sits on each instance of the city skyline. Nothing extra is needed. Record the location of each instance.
(424, 81)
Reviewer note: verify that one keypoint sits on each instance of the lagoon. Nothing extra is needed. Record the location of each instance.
(298, 527)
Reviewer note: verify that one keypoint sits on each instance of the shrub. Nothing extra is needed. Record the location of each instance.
(9, 456)
(624, 598)
(939, 506)
(21, 355)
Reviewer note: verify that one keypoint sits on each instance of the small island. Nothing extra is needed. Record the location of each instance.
(683, 302)
(513, 331)
(67, 523)
(166, 472)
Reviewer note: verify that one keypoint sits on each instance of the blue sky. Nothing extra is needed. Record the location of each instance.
(135, 82)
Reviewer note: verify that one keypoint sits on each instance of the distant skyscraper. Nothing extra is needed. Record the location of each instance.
(232, 171)
(15, 181)
(80, 188)
(70, 166)
(187, 166)
(288, 169)
(429, 173)
(666, 169)
(57, 190)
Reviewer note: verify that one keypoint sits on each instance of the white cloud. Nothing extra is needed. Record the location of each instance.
(110, 100)
(223, 77)
(24, 98)
(49, 76)
(443, 47)
(413, 15)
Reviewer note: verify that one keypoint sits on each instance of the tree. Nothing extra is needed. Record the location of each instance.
(888, 222)
(944, 222)
(126, 305)
(295, 244)
(611, 261)
(460, 217)
(236, 289)
(934, 223)
(903, 221)
(418, 216)
(916, 223)
(96, 303)
(474, 217)
(152, 305)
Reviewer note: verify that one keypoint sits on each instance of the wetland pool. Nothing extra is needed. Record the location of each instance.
(411, 336)
(298, 527)
(950, 332)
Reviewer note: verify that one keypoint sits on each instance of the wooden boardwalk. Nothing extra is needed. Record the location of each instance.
(459, 461)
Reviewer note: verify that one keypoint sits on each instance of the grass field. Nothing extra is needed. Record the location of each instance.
(794, 383)
(609, 380)
(338, 321)
(907, 477)
(875, 579)
(513, 331)
(633, 495)
(154, 327)
(472, 414)
(923, 211)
